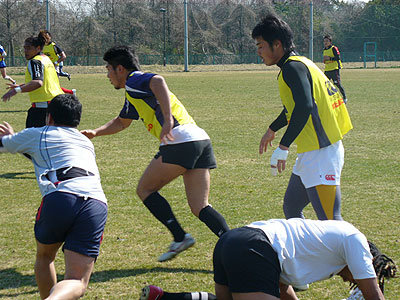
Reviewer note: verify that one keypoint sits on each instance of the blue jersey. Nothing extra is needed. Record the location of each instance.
(140, 102)
(3, 53)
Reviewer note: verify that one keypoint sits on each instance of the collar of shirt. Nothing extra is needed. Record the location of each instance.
(285, 57)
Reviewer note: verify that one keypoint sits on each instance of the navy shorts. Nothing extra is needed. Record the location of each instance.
(2, 64)
(245, 261)
(190, 155)
(68, 218)
(36, 117)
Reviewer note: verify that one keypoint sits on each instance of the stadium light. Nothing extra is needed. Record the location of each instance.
(163, 10)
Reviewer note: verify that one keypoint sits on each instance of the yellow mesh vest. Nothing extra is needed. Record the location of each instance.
(51, 85)
(50, 52)
(331, 64)
(147, 114)
(332, 112)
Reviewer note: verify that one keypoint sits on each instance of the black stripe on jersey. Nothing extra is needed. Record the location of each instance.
(323, 139)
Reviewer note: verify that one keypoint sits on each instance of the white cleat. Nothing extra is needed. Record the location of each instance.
(177, 247)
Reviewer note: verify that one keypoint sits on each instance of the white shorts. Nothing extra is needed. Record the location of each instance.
(320, 167)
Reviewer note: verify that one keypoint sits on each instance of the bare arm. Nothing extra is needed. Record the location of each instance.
(25, 88)
(114, 126)
(61, 57)
(370, 289)
(160, 89)
(287, 292)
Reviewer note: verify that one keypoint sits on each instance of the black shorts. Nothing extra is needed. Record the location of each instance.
(36, 117)
(190, 155)
(245, 261)
(333, 75)
(68, 218)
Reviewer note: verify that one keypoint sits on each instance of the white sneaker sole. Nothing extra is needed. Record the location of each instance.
(171, 254)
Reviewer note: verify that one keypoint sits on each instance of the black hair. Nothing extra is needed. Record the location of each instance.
(46, 35)
(65, 109)
(273, 28)
(124, 56)
(35, 41)
(328, 37)
(384, 266)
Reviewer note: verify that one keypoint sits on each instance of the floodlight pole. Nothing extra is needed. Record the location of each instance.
(163, 10)
(311, 51)
(186, 36)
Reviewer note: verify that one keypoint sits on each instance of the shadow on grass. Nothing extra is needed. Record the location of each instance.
(18, 175)
(11, 111)
(103, 276)
(11, 279)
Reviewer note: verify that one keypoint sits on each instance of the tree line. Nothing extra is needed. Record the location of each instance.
(89, 27)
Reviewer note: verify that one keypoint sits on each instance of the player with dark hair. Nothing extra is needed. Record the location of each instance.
(3, 65)
(73, 211)
(267, 260)
(316, 120)
(41, 82)
(333, 64)
(185, 148)
(55, 53)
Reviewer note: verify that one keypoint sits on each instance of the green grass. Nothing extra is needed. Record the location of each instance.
(235, 108)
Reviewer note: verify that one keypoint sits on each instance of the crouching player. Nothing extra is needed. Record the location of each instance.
(73, 211)
(267, 260)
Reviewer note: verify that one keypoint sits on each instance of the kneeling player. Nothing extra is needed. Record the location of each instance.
(267, 260)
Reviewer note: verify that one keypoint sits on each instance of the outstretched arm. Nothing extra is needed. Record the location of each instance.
(114, 126)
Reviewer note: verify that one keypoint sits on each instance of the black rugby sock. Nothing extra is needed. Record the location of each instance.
(188, 296)
(161, 209)
(214, 220)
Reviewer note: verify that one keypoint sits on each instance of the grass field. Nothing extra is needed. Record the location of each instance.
(235, 108)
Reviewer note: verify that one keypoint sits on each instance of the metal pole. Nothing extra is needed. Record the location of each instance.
(163, 10)
(311, 51)
(186, 37)
(47, 15)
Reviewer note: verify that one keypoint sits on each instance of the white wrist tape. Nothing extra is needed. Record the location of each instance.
(18, 89)
(278, 154)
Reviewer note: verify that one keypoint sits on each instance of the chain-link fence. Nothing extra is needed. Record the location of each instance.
(219, 30)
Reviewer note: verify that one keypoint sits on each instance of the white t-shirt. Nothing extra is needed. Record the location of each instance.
(311, 250)
(53, 148)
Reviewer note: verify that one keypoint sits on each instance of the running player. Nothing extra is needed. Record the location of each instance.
(3, 65)
(73, 211)
(333, 64)
(56, 54)
(41, 82)
(316, 119)
(185, 148)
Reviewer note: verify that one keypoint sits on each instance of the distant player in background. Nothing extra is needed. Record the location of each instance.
(41, 82)
(57, 56)
(3, 65)
(333, 64)
(315, 118)
(185, 149)
(73, 211)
